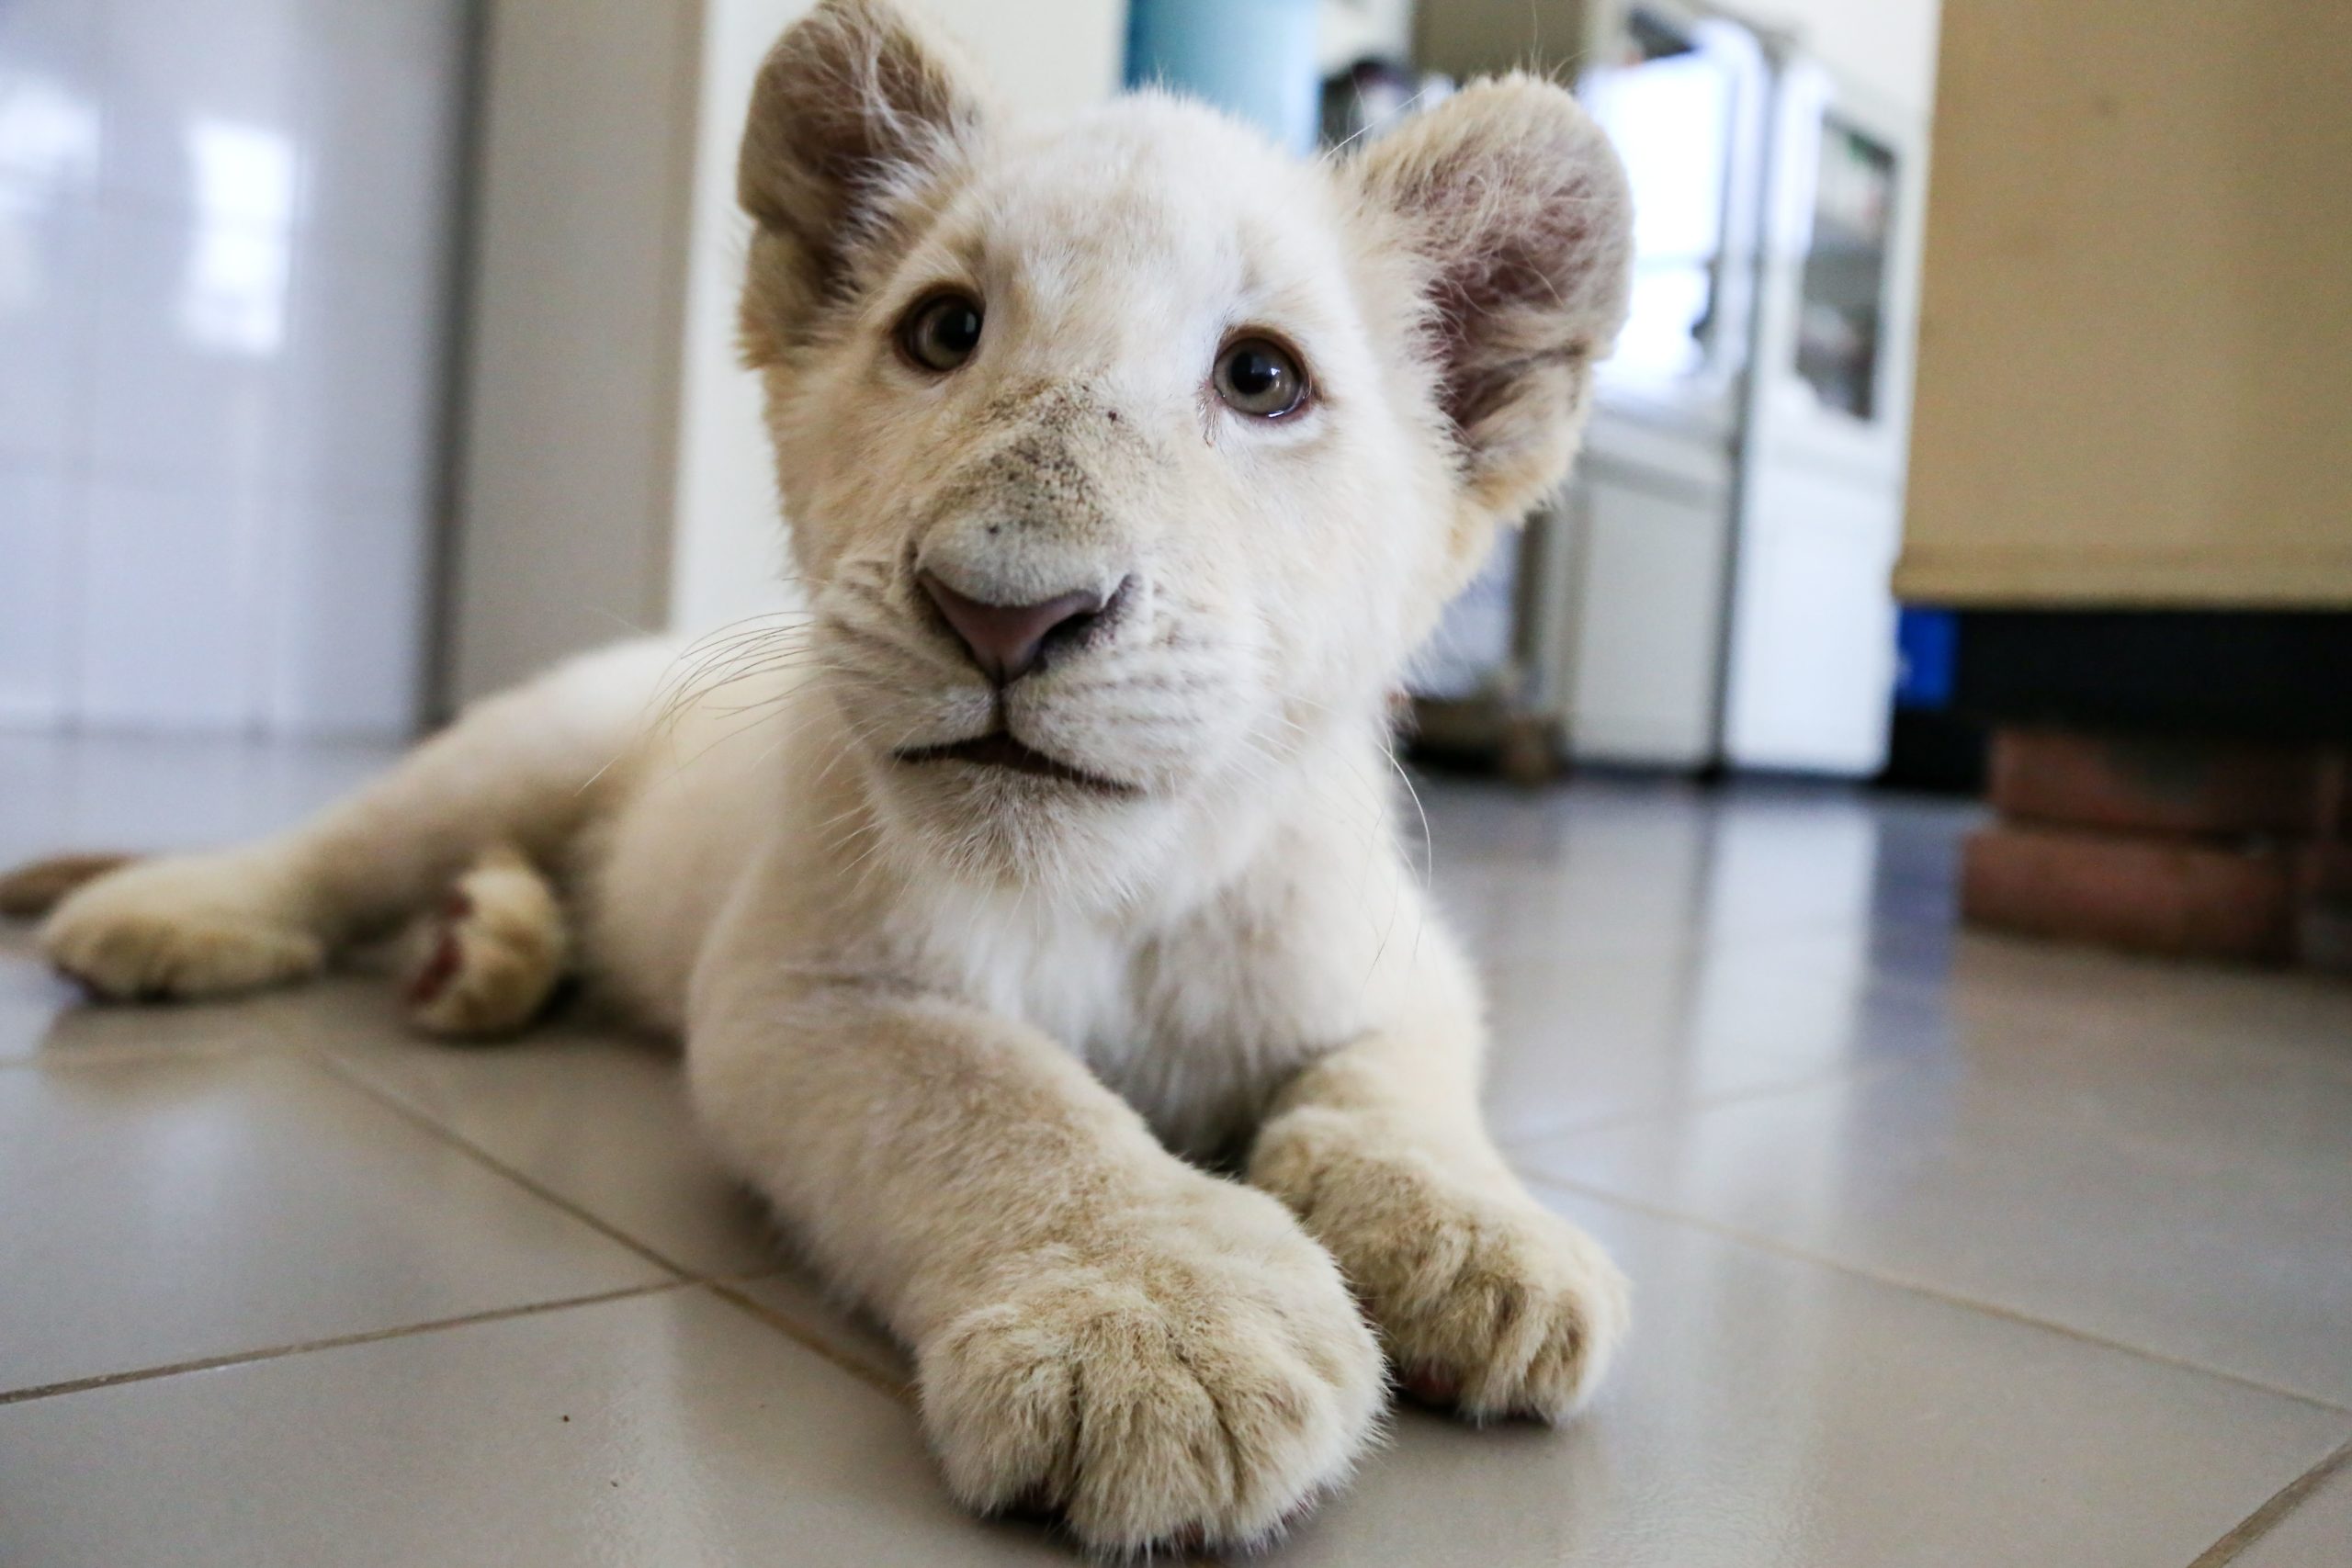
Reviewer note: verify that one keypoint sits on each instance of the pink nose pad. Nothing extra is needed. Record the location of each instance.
(1005, 640)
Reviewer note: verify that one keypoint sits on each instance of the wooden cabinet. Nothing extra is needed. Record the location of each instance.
(2135, 368)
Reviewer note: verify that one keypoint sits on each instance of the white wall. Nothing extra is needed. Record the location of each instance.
(726, 542)
(1886, 46)
(223, 246)
(575, 298)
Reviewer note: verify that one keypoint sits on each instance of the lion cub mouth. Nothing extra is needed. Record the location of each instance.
(1001, 749)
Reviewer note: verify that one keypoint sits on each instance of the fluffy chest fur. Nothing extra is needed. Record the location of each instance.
(1195, 1016)
(1269, 932)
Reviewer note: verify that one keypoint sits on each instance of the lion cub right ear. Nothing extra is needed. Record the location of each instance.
(856, 115)
(1519, 220)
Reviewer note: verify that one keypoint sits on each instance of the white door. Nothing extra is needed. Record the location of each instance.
(1811, 664)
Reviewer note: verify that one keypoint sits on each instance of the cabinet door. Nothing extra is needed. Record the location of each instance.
(1813, 635)
(2134, 390)
(1648, 636)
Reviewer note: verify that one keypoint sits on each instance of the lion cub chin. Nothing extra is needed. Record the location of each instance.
(1127, 461)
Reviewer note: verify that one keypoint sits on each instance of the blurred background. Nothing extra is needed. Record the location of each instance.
(1981, 424)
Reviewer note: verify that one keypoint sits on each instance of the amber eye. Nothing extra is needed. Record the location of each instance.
(941, 332)
(1260, 378)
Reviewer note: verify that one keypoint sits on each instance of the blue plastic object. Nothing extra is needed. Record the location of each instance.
(1928, 649)
(1252, 58)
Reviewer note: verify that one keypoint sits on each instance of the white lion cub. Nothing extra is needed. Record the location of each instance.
(1126, 460)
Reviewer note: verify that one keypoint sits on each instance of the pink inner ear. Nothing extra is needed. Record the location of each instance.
(1519, 210)
(1530, 262)
(1492, 314)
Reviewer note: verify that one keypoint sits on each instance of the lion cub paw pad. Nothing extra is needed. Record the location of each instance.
(490, 958)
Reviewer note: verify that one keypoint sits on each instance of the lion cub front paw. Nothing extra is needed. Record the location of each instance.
(1485, 1301)
(190, 925)
(1195, 1380)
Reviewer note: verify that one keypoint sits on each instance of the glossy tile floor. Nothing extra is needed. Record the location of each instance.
(1948, 1250)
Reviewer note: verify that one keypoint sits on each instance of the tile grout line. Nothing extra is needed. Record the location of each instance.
(2274, 1512)
(901, 1392)
(1931, 1292)
(809, 1339)
(399, 1107)
(725, 1286)
(335, 1342)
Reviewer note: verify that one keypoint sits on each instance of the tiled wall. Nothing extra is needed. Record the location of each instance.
(224, 231)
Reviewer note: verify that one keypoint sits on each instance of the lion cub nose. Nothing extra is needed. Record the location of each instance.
(1005, 640)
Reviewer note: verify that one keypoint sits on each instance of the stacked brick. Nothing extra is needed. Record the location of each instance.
(2201, 848)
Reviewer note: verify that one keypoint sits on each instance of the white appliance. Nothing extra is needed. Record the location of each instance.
(1598, 631)
(1810, 662)
(1712, 586)
(1650, 518)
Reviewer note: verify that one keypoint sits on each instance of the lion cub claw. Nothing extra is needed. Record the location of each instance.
(1485, 1302)
(1198, 1379)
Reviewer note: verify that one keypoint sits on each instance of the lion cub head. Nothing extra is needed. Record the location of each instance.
(1128, 458)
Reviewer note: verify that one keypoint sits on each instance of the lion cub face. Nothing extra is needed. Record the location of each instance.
(1125, 455)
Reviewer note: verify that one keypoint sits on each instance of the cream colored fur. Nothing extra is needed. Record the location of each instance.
(960, 1025)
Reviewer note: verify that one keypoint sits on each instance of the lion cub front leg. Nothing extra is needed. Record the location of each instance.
(186, 926)
(1485, 1301)
(1159, 1355)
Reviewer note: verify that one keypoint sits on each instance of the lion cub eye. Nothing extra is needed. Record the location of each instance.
(1260, 378)
(940, 333)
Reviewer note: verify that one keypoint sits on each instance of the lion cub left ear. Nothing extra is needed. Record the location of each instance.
(857, 115)
(1517, 216)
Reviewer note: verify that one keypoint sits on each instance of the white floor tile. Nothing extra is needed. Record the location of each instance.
(172, 1209)
(2190, 1199)
(671, 1428)
(1769, 1411)
(600, 1121)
